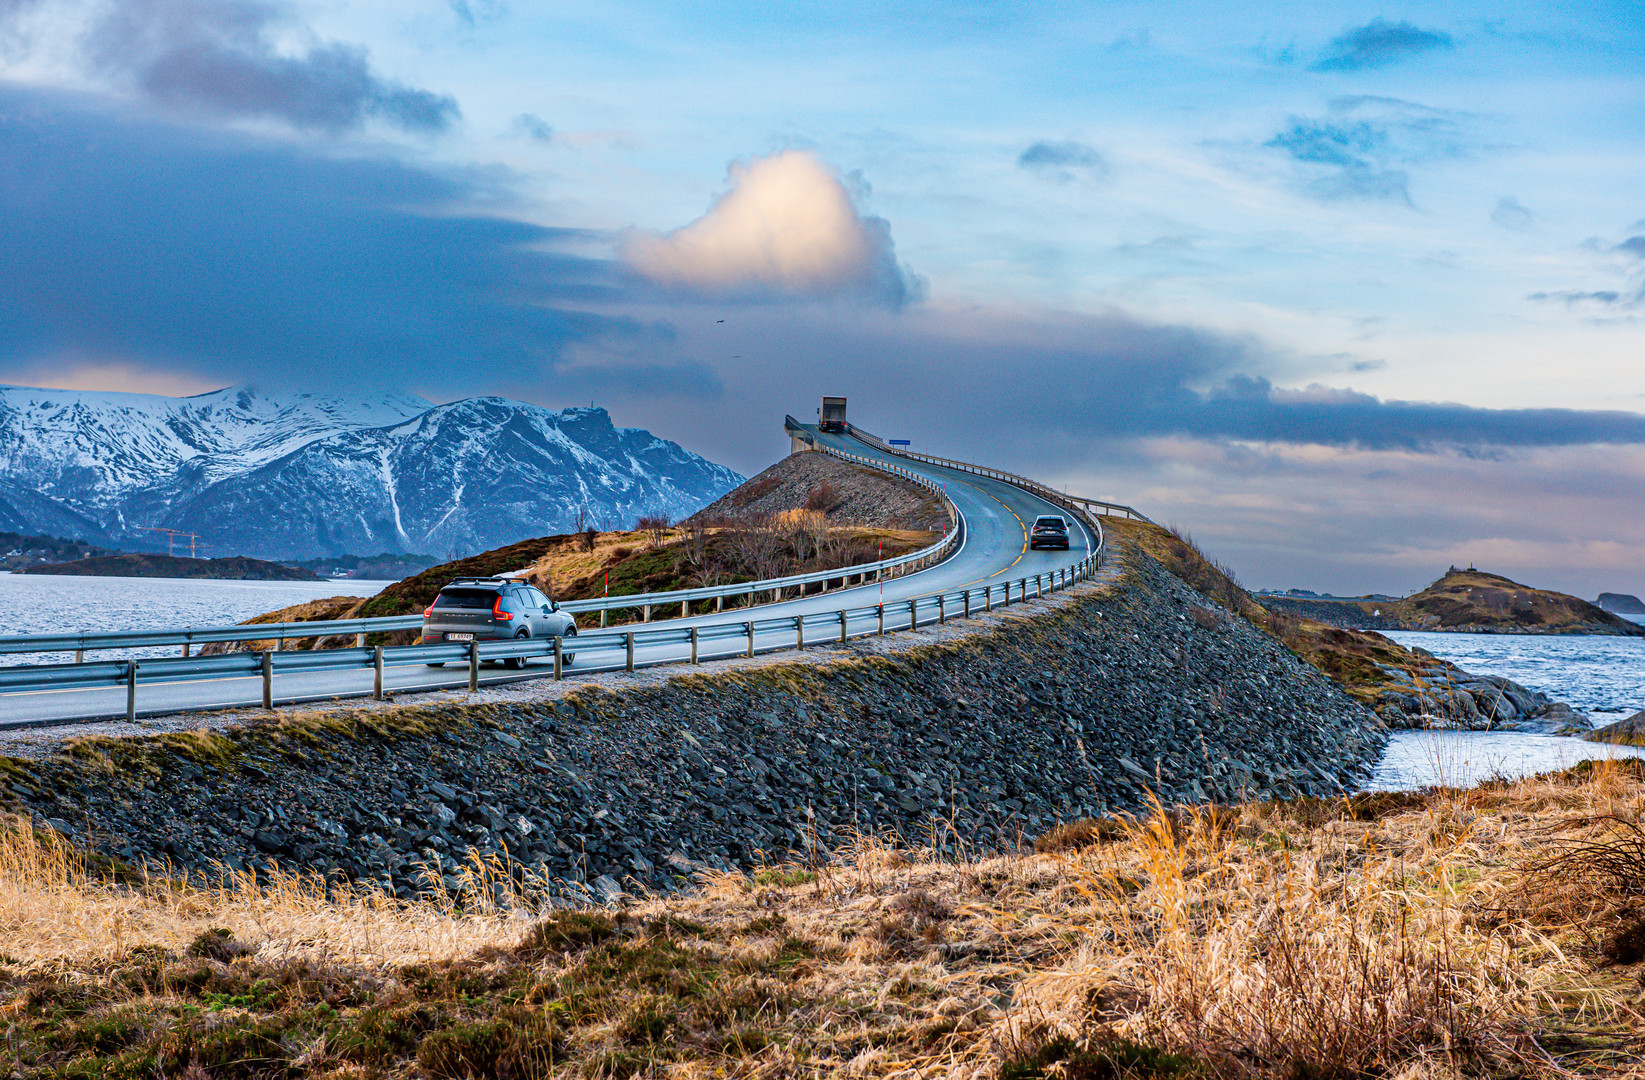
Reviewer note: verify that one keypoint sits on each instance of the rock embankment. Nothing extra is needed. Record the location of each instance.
(1047, 717)
(847, 494)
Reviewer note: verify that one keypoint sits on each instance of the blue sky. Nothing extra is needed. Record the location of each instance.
(1349, 292)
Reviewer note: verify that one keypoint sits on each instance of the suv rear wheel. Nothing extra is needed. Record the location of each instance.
(515, 663)
(567, 657)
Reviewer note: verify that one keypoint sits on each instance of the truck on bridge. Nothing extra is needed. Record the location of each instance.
(831, 417)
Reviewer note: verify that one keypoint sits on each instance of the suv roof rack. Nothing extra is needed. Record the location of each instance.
(482, 581)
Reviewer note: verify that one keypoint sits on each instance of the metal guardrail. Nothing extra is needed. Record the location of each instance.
(609, 651)
(80, 643)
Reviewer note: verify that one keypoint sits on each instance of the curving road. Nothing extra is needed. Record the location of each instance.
(995, 549)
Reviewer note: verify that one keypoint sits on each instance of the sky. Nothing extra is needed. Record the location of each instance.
(1348, 293)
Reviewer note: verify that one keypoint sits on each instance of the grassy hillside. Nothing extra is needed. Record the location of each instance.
(1354, 659)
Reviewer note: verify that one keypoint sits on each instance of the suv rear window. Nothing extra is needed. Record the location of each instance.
(1050, 522)
(465, 598)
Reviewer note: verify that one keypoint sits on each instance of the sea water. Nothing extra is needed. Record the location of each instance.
(1599, 675)
(58, 604)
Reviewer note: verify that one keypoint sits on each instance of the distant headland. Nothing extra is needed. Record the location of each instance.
(143, 565)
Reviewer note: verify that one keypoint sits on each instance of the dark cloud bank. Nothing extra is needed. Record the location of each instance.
(231, 257)
(234, 257)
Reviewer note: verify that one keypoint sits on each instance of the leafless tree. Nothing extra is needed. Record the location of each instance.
(655, 527)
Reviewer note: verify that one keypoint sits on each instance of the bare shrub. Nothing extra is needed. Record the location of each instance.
(589, 535)
(804, 531)
(1205, 618)
(824, 497)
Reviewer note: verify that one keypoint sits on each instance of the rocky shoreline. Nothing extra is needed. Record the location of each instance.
(1122, 690)
(1444, 696)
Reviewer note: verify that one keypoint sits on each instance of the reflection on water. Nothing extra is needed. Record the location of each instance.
(1416, 759)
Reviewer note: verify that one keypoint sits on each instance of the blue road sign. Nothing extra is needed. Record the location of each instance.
(900, 442)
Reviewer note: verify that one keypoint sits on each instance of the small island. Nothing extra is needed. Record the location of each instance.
(1464, 601)
(143, 565)
(1619, 603)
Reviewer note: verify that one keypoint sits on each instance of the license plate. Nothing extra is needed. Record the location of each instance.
(459, 637)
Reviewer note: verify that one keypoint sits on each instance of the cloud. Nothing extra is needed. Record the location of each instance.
(1358, 149)
(1571, 296)
(227, 257)
(1631, 265)
(533, 127)
(220, 57)
(1512, 215)
(1064, 161)
(1379, 43)
(787, 228)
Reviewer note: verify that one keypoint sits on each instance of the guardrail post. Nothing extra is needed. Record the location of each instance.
(131, 691)
(1039, 588)
(268, 679)
(645, 612)
(605, 618)
(377, 673)
(799, 631)
(685, 609)
(559, 656)
(968, 603)
(280, 643)
(185, 650)
(359, 641)
(473, 666)
(719, 602)
(942, 610)
(693, 644)
(988, 598)
(628, 651)
(79, 656)
(879, 609)
(748, 628)
(842, 626)
(913, 613)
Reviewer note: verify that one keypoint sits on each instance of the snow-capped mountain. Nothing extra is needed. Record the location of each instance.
(305, 475)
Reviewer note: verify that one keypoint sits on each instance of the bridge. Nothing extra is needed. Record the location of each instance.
(983, 562)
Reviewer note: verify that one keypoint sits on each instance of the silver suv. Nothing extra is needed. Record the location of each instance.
(495, 609)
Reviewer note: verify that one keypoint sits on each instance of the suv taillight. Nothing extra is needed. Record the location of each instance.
(428, 612)
(499, 614)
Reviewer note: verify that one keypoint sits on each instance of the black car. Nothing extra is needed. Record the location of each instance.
(494, 609)
(1049, 531)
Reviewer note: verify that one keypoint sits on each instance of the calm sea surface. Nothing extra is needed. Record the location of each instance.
(48, 604)
(1601, 676)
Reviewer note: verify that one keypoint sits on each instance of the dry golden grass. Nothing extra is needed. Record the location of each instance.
(1387, 936)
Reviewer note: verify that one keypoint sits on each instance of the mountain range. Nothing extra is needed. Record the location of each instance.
(302, 475)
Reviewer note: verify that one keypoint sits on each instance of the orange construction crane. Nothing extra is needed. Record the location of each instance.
(171, 538)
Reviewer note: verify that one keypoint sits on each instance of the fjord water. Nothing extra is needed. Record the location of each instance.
(1599, 675)
(52, 604)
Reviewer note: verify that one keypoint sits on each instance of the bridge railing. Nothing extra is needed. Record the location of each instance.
(599, 651)
(1049, 494)
(281, 633)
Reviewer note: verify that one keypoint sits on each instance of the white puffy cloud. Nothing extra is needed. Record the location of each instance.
(787, 226)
